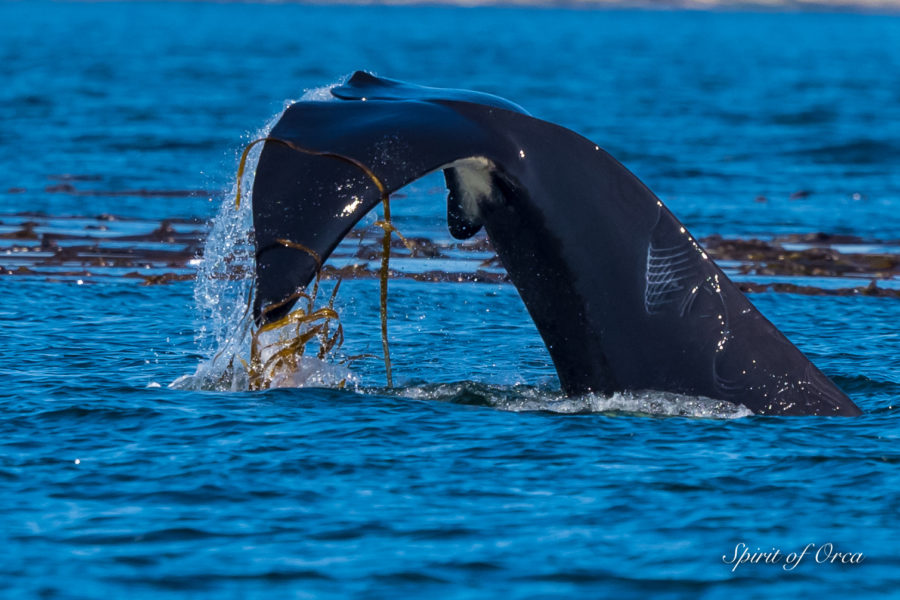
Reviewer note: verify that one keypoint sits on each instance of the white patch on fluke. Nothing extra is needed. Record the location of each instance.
(475, 183)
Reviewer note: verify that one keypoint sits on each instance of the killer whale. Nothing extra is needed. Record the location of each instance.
(621, 293)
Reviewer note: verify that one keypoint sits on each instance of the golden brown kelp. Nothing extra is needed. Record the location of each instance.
(275, 361)
(302, 326)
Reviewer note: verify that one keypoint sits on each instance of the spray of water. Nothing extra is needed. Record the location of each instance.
(523, 398)
(223, 293)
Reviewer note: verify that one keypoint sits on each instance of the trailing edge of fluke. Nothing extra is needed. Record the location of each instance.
(623, 296)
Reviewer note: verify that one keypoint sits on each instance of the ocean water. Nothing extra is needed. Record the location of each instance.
(473, 477)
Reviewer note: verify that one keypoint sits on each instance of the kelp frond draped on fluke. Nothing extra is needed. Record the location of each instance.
(270, 362)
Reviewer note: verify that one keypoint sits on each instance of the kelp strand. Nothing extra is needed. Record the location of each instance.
(294, 348)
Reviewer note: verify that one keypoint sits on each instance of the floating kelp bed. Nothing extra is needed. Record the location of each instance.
(98, 248)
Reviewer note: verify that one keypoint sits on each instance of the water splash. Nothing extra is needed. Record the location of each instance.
(521, 398)
(224, 288)
(323, 94)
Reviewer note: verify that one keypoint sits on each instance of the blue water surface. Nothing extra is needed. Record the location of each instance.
(462, 482)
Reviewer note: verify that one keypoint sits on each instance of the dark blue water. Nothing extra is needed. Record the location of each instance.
(473, 478)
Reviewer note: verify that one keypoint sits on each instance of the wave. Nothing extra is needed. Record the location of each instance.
(522, 398)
